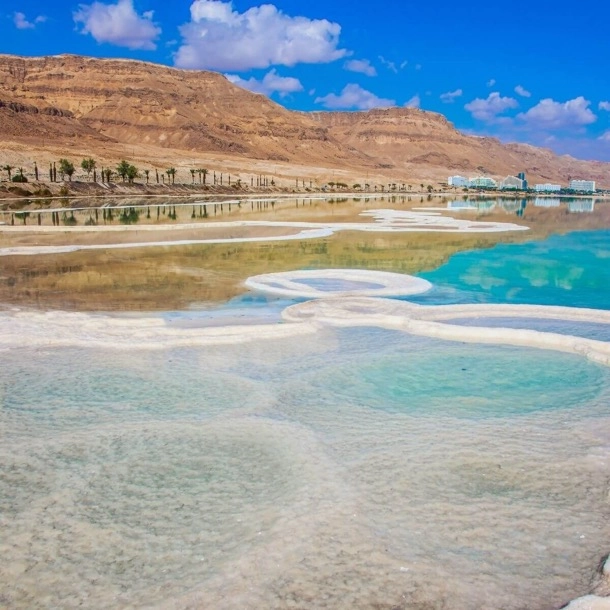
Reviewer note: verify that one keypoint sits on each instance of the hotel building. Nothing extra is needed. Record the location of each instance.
(457, 181)
(482, 182)
(512, 183)
(547, 187)
(585, 186)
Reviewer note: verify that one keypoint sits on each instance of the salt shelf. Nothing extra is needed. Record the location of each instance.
(331, 306)
(422, 320)
(315, 284)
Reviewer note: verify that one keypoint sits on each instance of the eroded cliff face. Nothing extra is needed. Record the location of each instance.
(141, 103)
(66, 100)
(413, 140)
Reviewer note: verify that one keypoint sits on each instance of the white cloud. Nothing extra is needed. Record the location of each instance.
(414, 102)
(450, 96)
(491, 82)
(118, 24)
(21, 22)
(522, 91)
(355, 97)
(220, 38)
(272, 82)
(605, 137)
(488, 109)
(604, 106)
(391, 65)
(361, 65)
(549, 114)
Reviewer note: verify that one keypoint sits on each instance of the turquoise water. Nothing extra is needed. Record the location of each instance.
(347, 468)
(571, 270)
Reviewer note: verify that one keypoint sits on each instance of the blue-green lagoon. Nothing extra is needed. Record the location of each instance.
(352, 452)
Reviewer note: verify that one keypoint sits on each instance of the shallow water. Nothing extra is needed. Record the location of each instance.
(589, 330)
(339, 468)
(570, 270)
(341, 472)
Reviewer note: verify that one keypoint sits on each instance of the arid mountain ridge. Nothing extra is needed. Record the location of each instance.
(110, 109)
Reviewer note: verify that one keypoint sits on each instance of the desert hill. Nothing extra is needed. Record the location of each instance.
(408, 138)
(72, 106)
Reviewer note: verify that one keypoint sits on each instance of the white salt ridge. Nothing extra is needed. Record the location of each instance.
(70, 329)
(421, 320)
(372, 283)
(589, 602)
(347, 310)
(393, 221)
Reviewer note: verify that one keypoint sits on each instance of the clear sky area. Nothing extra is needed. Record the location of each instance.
(534, 71)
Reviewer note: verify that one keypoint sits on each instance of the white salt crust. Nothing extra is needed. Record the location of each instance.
(373, 283)
(423, 320)
(38, 329)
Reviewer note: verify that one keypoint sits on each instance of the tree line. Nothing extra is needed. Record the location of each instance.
(124, 170)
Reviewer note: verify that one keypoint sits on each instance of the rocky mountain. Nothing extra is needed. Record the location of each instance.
(56, 105)
(426, 144)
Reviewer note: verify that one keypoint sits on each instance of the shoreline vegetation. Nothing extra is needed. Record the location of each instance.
(40, 192)
(125, 179)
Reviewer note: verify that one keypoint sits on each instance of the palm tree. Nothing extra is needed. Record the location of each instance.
(193, 176)
(122, 169)
(132, 173)
(8, 169)
(88, 165)
(146, 173)
(171, 173)
(66, 168)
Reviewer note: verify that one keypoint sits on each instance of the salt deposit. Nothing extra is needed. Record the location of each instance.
(314, 284)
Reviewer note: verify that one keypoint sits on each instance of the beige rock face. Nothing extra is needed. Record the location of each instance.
(113, 108)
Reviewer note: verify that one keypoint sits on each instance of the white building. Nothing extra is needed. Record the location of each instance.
(457, 181)
(547, 187)
(511, 183)
(586, 186)
(482, 182)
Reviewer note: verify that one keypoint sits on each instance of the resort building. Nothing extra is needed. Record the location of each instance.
(547, 187)
(457, 181)
(585, 186)
(512, 183)
(521, 176)
(482, 182)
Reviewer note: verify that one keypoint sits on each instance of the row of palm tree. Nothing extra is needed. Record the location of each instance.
(129, 172)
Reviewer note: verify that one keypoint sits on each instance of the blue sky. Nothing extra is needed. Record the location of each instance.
(532, 71)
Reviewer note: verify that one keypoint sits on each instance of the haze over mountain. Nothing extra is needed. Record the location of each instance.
(71, 106)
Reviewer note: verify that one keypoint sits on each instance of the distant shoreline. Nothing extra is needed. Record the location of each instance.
(20, 192)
